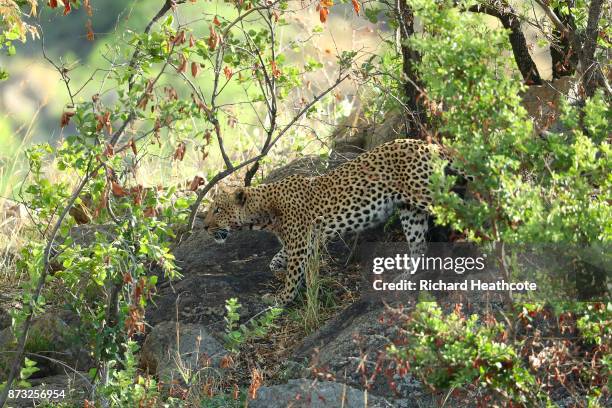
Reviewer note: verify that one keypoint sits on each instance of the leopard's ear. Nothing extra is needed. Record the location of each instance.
(240, 196)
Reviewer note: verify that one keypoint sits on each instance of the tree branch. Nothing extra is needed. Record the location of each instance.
(168, 5)
(509, 19)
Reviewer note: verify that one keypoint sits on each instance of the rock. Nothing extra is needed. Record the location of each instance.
(213, 273)
(315, 394)
(5, 319)
(340, 345)
(172, 349)
(51, 343)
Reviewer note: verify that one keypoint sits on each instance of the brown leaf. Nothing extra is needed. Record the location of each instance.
(191, 40)
(195, 68)
(179, 153)
(183, 65)
(214, 39)
(90, 33)
(256, 381)
(104, 121)
(228, 72)
(276, 72)
(150, 212)
(226, 362)
(65, 119)
(180, 38)
(195, 183)
(323, 13)
(216, 21)
(117, 190)
(132, 144)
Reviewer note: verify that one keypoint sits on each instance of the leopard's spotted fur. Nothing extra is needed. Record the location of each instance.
(356, 195)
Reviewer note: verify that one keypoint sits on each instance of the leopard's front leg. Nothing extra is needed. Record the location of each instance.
(278, 264)
(297, 258)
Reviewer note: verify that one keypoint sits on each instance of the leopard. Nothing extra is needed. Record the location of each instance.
(359, 194)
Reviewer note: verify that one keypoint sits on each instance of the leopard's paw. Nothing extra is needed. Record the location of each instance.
(270, 299)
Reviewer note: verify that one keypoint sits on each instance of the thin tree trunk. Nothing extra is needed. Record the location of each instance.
(507, 16)
(590, 68)
(564, 57)
(415, 118)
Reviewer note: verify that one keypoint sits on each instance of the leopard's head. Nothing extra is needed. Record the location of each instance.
(226, 212)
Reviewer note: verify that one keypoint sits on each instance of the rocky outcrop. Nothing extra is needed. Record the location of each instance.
(348, 346)
(213, 273)
(304, 393)
(172, 350)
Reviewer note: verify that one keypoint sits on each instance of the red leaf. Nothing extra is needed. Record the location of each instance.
(216, 21)
(276, 72)
(356, 6)
(117, 190)
(52, 3)
(323, 13)
(67, 7)
(65, 119)
(228, 72)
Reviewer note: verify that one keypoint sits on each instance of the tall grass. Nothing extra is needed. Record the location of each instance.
(312, 309)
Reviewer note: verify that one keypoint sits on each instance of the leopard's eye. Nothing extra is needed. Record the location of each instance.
(216, 210)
